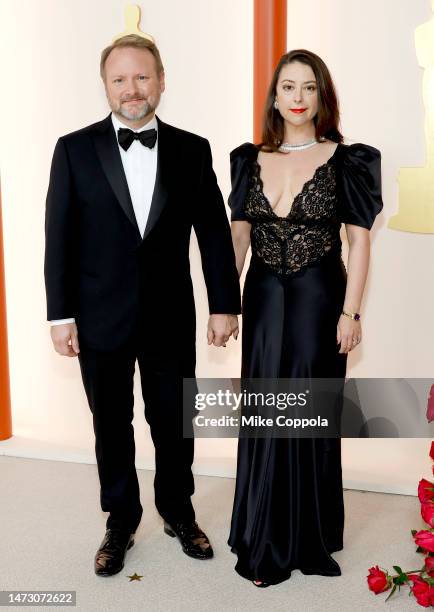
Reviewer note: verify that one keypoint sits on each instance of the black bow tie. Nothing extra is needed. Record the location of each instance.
(148, 138)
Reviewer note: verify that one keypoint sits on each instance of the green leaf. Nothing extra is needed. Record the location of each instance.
(397, 569)
(391, 593)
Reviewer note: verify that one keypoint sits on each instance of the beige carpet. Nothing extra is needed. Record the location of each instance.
(51, 526)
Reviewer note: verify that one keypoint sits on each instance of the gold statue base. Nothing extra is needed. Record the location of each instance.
(416, 201)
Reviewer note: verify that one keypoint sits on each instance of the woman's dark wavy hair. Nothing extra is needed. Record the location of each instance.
(327, 118)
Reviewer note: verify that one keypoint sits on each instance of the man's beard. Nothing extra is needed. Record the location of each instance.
(134, 114)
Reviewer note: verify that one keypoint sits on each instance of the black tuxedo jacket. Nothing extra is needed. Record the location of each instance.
(100, 270)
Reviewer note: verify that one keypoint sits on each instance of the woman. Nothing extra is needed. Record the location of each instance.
(300, 310)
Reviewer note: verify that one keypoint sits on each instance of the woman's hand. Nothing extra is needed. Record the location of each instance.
(221, 327)
(349, 333)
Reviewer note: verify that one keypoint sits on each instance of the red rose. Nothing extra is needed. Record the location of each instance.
(427, 512)
(378, 581)
(429, 566)
(430, 406)
(431, 453)
(423, 490)
(425, 539)
(422, 591)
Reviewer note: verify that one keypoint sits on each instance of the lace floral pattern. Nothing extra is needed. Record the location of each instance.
(309, 231)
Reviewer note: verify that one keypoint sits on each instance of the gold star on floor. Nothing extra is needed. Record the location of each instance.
(135, 577)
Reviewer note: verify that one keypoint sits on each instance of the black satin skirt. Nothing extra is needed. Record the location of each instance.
(288, 509)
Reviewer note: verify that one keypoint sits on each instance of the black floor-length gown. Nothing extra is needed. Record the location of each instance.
(288, 509)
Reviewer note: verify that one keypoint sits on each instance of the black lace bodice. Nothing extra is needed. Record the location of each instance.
(345, 189)
(306, 234)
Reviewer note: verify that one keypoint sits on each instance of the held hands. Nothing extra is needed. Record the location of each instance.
(65, 339)
(349, 334)
(221, 327)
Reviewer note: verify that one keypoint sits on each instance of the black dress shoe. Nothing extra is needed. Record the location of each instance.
(194, 541)
(110, 556)
(261, 584)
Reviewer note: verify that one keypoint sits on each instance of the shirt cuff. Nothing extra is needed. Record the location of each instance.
(62, 321)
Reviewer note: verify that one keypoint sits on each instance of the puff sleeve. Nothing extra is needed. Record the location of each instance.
(359, 183)
(241, 164)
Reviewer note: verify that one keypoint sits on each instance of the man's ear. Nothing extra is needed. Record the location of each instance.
(162, 81)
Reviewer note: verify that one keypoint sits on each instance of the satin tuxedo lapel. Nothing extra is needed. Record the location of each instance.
(108, 152)
(159, 197)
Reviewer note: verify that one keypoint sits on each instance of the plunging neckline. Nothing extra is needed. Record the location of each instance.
(302, 190)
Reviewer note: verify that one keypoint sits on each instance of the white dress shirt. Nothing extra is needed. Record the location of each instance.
(140, 167)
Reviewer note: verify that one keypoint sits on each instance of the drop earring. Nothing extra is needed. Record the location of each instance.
(276, 106)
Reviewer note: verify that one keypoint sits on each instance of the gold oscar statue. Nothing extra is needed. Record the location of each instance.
(132, 21)
(416, 185)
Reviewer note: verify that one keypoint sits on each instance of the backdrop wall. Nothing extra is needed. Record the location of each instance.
(50, 58)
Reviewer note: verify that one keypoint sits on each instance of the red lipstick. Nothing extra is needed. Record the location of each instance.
(298, 110)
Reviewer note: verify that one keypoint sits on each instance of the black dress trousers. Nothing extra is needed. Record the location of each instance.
(108, 381)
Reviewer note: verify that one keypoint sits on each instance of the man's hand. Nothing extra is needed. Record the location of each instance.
(65, 339)
(221, 327)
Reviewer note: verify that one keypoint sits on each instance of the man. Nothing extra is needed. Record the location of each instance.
(124, 194)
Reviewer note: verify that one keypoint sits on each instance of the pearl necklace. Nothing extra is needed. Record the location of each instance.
(286, 147)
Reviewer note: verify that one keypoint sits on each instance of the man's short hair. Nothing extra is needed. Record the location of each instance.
(135, 42)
